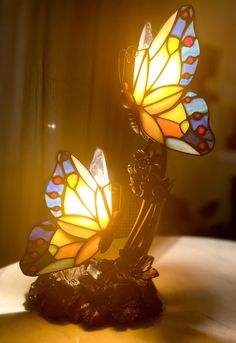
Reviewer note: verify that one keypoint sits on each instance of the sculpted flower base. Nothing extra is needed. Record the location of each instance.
(99, 293)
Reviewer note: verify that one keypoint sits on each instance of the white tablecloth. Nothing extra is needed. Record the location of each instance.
(197, 284)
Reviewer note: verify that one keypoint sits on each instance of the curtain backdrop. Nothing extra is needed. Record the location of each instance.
(59, 64)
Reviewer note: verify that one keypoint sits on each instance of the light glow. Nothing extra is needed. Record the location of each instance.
(84, 207)
(171, 73)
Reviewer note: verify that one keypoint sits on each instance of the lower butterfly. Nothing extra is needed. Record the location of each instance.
(80, 201)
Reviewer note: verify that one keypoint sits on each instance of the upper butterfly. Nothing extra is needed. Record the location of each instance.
(163, 67)
(80, 201)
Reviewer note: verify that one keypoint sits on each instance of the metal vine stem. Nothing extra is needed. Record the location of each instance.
(143, 230)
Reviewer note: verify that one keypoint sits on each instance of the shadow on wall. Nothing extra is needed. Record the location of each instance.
(179, 219)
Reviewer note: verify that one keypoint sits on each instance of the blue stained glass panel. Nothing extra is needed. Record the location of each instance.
(194, 51)
(52, 202)
(210, 143)
(185, 82)
(68, 167)
(56, 213)
(208, 135)
(190, 31)
(38, 232)
(51, 187)
(191, 138)
(191, 94)
(58, 171)
(196, 123)
(196, 105)
(189, 68)
(178, 28)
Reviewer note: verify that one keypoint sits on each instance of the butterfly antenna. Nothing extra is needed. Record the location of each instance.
(126, 56)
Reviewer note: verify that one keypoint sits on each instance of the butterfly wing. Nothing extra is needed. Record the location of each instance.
(43, 256)
(82, 210)
(98, 168)
(186, 127)
(163, 68)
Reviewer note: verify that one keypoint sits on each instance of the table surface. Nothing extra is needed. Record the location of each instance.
(197, 284)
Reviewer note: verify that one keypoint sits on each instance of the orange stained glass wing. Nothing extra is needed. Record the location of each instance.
(68, 250)
(151, 127)
(88, 250)
(169, 128)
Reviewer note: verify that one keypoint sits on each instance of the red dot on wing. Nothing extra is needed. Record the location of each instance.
(184, 14)
(187, 99)
(188, 41)
(34, 255)
(190, 60)
(39, 241)
(186, 76)
(202, 146)
(201, 130)
(53, 195)
(64, 156)
(57, 180)
(197, 116)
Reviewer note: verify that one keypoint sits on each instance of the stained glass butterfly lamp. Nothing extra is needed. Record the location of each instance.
(83, 202)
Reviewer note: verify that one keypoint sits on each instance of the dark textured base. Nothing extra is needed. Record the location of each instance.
(100, 293)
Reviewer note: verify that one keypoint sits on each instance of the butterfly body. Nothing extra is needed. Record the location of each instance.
(161, 108)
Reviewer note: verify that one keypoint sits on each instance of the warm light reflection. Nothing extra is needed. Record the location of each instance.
(51, 126)
(73, 205)
(12, 297)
